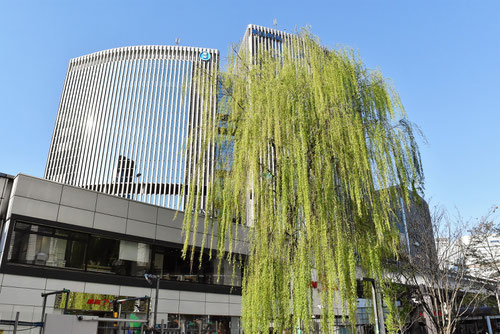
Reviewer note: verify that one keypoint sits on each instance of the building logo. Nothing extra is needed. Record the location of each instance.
(270, 35)
(205, 56)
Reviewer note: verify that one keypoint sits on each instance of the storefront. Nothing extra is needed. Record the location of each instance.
(123, 307)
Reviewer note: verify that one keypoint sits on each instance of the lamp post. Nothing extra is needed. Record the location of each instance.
(149, 278)
(377, 308)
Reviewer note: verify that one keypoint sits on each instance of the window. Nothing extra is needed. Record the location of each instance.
(47, 246)
(103, 254)
(133, 258)
(170, 264)
(118, 257)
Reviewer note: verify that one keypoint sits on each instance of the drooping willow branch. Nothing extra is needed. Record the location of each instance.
(313, 152)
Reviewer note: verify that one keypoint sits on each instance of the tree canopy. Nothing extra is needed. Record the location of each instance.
(314, 154)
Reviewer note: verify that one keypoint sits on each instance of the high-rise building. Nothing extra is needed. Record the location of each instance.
(125, 117)
(259, 38)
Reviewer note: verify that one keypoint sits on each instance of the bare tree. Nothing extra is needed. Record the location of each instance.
(486, 253)
(436, 272)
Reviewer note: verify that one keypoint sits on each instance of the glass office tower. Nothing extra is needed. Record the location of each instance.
(125, 117)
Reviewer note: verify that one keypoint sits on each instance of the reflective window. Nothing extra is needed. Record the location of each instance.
(103, 254)
(119, 257)
(48, 246)
(133, 258)
(169, 264)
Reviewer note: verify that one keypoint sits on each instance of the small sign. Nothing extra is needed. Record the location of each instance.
(205, 56)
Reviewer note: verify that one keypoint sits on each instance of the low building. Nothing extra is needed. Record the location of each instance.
(56, 236)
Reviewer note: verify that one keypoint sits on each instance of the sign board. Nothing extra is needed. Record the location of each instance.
(270, 35)
(82, 301)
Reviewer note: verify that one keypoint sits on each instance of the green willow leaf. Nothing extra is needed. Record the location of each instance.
(313, 153)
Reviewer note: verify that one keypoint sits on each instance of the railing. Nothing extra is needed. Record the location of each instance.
(119, 326)
(16, 323)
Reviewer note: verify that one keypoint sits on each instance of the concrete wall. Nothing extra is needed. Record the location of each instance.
(48, 200)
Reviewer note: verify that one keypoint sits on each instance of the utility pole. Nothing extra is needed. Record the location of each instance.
(148, 278)
(44, 296)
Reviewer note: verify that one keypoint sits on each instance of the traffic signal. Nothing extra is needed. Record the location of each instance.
(115, 313)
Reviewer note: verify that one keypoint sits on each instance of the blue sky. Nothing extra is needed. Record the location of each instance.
(442, 56)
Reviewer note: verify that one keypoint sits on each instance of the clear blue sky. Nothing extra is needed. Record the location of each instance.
(442, 56)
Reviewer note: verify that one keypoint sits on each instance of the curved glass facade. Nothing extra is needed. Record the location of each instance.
(125, 117)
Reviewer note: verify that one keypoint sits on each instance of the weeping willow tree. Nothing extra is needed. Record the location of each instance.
(313, 155)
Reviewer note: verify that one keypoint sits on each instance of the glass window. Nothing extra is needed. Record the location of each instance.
(168, 263)
(194, 324)
(119, 257)
(41, 245)
(23, 226)
(48, 246)
(103, 254)
(173, 321)
(133, 258)
(230, 274)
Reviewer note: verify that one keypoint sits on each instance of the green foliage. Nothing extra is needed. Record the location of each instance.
(314, 151)
(398, 318)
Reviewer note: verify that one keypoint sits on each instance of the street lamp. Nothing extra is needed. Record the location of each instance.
(149, 278)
